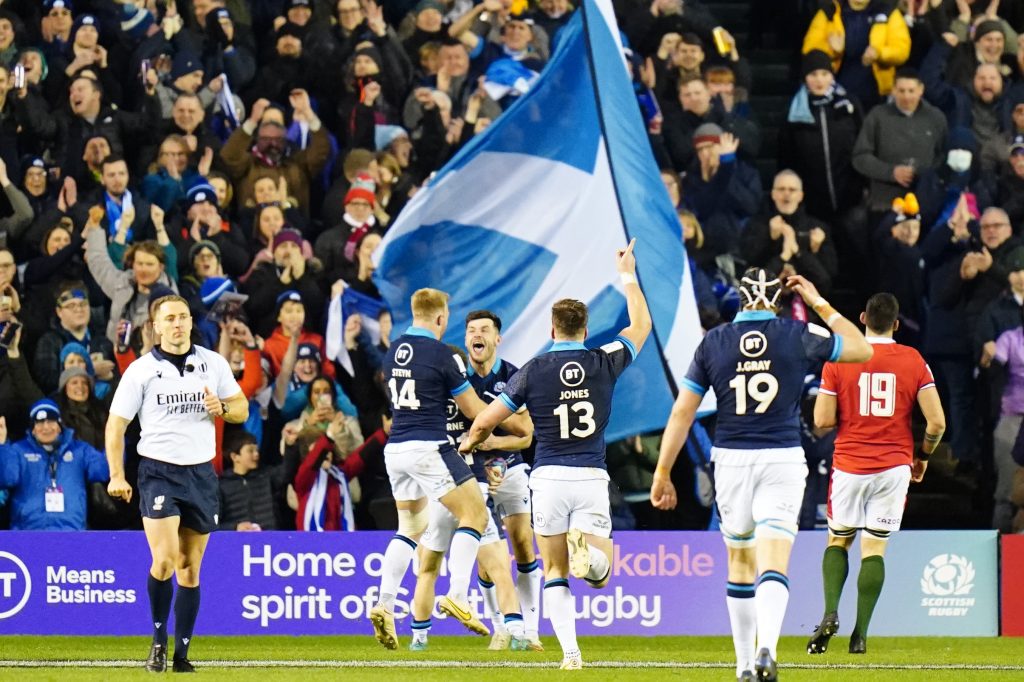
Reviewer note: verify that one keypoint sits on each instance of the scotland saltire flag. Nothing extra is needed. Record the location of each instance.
(533, 210)
(340, 308)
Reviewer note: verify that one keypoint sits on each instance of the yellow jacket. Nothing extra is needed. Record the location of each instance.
(890, 38)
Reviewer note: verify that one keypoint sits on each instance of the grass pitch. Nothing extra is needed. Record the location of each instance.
(464, 658)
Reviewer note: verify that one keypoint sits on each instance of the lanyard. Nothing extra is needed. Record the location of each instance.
(53, 469)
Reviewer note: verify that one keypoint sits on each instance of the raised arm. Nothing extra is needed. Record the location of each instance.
(855, 347)
(636, 304)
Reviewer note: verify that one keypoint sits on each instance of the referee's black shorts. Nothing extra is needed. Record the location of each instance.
(190, 491)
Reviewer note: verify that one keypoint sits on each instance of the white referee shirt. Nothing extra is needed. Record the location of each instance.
(175, 425)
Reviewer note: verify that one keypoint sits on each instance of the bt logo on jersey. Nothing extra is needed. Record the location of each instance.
(403, 355)
(572, 374)
(753, 344)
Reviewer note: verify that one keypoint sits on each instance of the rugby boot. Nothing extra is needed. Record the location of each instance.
(572, 663)
(533, 644)
(500, 641)
(182, 665)
(464, 614)
(765, 669)
(418, 646)
(384, 627)
(858, 644)
(579, 553)
(829, 626)
(157, 661)
(747, 676)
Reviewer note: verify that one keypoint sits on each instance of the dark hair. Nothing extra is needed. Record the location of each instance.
(234, 442)
(691, 39)
(881, 312)
(113, 158)
(686, 80)
(907, 72)
(569, 317)
(331, 383)
(484, 315)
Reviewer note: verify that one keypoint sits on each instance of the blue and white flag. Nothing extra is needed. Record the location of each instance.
(533, 209)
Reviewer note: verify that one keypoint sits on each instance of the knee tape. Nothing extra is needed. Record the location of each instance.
(412, 524)
(775, 529)
(737, 541)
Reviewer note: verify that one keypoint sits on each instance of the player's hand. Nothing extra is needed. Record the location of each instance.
(247, 526)
(119, 489)
(802, 286)
(214, 407)
(917, 470)
(465, 449)
(626, 261)
(988, 353)
(3, 430)
(663, 494)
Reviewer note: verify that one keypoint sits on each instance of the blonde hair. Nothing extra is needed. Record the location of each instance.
(426, 303)
(698, 232)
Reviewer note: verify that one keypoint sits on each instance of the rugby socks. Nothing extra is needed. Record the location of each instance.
(771, 598)
(186, 608)
(560, 608)
(599, 565)
(420, 630)
(869, 586)
(528, 582)
(397, 558)
(161, 592)
(835, 566)
(461, 557)
(739, 597)
(514, 625)
(491, 609)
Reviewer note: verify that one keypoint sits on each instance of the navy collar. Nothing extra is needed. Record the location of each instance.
(159, 355)
(566, 345)
(753, 316)
(420, 331)
(494, 370)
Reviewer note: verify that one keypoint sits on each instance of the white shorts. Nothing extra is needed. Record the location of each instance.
(443, 524)
(423, 468)
(571, 497)
(513, 495)
(763, 497)
(873, 502)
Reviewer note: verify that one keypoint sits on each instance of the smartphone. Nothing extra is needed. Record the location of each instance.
(19, 76)
(8, 330)
(144, 68)
(324, 400)
(124, 339)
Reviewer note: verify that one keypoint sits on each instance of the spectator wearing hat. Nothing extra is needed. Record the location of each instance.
(270, 220)
(901, 266)
(453, 78)
(899, 139)
(509, 63)
(866, 40)
(202, 222)
(35, 186)
(1010, 188)
(74, 354)
(428, 18)
(374, 93)
(984, 39)
(286, 68)
(84, 51)
(356, 23)
(222, 40)
(292, 321)
(48, 472)
(938, 188)
(81, 410)
(249, 158)
(170, 174)
(91, 114)
(816, 141)
(335, 247)
(55, 27)
(186, 77)
(787, 240)
(721, 189)
(288, 271)
(96, 149)
(71, 325)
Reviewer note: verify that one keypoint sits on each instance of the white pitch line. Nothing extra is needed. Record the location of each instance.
(427, 664)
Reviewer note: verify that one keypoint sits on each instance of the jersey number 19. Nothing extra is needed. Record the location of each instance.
(761, 387)
(877, 394)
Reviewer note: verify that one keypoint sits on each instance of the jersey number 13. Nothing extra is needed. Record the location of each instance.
(584, 413)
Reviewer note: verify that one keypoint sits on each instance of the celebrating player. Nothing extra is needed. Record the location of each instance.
(169, 388)
(499, 459)
(757, 366)
(874, 460)
(568, 393)
(421, 373)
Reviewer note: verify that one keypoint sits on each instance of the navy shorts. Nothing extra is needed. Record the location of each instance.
(190, 491)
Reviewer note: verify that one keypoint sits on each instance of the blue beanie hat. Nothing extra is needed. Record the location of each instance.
(213, 287)
(44, 409)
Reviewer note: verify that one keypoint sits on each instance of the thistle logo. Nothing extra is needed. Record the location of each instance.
(948, 580)
(15, 585)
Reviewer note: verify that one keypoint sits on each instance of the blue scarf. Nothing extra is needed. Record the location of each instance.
(114, 211)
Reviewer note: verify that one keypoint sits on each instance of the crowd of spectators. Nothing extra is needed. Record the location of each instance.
(250, 155)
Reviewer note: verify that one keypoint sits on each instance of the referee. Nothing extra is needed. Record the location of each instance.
(177, 390)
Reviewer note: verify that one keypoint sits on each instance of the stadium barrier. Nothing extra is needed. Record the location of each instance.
(1012, 559)
(666, 583)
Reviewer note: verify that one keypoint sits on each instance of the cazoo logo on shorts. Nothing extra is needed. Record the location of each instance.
(947, 581)
(15, 585)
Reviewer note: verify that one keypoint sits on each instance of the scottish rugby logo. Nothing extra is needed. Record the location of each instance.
(948, 575)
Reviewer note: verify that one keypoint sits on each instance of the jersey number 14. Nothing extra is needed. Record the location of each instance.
(404, 397)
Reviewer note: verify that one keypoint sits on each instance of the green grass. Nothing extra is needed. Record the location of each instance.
(904, 651)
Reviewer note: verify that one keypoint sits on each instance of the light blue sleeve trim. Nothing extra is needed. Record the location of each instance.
(837, 348)
(628, 344)
(476, 51)
(507, 402)
(694, 387)
(462, 388)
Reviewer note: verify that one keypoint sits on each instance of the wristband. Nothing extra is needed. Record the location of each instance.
(832, 318)
(662, 472)
(627, 278)
(821, 302)
(921, 455)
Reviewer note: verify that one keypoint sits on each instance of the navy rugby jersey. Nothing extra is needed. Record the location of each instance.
(421, 374)
(568, 391)
(757, 367)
